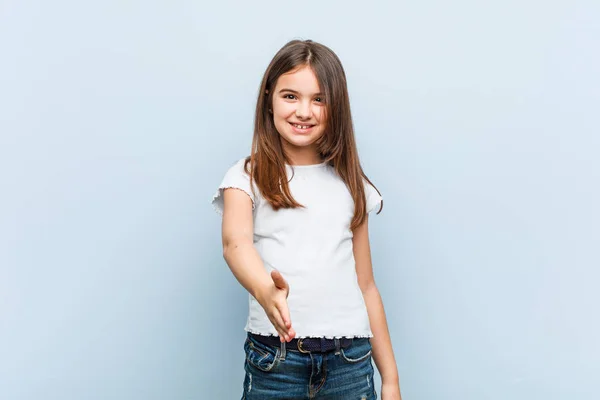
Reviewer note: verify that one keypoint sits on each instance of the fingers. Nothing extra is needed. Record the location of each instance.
(281, 316)
(285, 316)
(284, 322)
(292, 333)
(279, 325)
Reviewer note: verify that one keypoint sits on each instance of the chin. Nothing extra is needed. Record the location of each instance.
(300, 142)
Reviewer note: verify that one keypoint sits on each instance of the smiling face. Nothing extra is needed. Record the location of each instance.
(299, 114)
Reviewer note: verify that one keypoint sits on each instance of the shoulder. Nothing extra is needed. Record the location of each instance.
(238, 171)
(370, 187)
(373, 196)
(239, 166)
(236, 177)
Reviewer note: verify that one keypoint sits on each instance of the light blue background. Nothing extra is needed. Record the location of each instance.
(478, 121)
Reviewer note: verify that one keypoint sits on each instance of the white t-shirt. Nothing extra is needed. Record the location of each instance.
(312, 249)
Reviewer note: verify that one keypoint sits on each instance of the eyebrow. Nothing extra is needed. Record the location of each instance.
(295, 92)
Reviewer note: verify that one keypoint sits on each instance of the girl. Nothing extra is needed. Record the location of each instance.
(295, 235)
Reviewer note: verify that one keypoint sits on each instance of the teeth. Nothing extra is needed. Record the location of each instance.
(301, 126)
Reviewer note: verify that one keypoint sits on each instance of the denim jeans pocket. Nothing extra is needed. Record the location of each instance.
(261, 356)
(360, 350)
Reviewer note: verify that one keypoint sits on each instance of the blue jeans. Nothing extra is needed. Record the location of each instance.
(292, 375)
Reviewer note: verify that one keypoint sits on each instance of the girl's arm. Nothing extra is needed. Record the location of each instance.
(247, 266)
(383, 353)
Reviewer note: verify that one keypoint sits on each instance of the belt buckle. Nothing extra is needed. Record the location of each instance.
(300, 349)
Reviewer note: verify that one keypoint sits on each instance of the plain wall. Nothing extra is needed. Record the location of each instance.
(478, 121)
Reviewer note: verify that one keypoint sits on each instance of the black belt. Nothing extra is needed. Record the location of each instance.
(304, 345)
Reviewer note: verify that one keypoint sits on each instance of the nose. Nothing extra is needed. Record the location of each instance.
(303, 110)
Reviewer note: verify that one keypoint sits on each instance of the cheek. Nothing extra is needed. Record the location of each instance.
(282, 109)
(319, 113)
(280, 117)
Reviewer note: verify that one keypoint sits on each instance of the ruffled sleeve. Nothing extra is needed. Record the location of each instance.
(374, 199)
(235, 177)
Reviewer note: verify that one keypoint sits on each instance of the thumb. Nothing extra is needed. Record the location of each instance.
(279, 281)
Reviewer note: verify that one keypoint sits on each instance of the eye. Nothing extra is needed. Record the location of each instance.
(320, 99)
(289, 96)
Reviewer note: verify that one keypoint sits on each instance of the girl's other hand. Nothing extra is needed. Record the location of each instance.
(274, 302)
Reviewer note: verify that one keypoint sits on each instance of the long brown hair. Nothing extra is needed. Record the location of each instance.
(337, 146)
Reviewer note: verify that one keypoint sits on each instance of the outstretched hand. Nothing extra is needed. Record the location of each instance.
(274, 302)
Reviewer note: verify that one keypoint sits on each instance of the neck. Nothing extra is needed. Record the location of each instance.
(306, 156)
(305, 160)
